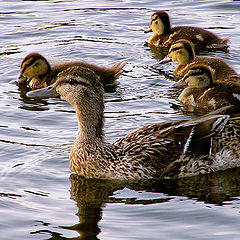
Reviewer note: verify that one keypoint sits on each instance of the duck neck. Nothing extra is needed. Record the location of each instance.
(48, 77)
(90, 128)
(183, 59)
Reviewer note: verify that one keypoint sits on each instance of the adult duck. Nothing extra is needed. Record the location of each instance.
(168, 149)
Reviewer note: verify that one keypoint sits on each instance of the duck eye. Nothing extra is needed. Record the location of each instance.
(72, 81)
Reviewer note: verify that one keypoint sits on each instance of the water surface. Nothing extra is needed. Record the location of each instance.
(39, 197)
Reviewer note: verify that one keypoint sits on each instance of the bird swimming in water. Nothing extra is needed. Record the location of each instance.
(183, 52)
(203, 91)
(164, 34)
(170, 149)
(38, 71)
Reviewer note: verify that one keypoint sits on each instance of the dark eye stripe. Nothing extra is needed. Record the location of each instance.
(28, 65)
(175, 49)
(195, 73)
(154, 19)
(72, 81)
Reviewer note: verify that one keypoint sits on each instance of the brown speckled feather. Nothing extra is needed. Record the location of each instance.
(168, 149)
(201, 38)
(217, 95)
(212, 96)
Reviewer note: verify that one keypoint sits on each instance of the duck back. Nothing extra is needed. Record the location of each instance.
(201, 38)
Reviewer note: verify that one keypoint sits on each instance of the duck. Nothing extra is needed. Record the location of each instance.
(170, 149)
(203, 91)
(183, 52)
(38, 71)
(164, 34)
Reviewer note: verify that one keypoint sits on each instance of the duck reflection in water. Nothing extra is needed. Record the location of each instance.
(90, 196)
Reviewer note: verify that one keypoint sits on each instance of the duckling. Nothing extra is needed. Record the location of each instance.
(183, 52)
(169, 149)
(37, 69)
(164, 35)
(204, 91)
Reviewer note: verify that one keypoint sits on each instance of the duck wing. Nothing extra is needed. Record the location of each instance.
(160, 145)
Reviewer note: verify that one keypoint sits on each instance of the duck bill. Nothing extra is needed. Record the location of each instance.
(22, 79)
(46, 92)
(166, 60)
(180, 83)
(148, 30)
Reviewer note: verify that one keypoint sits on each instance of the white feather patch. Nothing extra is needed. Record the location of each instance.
(186, 146)
(224, 159)
(219, 123)
(199, 37)
(237, 96)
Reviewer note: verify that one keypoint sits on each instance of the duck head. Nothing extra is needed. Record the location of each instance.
(181, 51)
(199, 76)
(160, 23)
(33, 67)
(81, 87)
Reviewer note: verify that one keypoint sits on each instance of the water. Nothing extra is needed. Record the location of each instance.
(39, 197)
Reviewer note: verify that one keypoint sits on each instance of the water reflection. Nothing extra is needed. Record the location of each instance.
(90, 196)
(31, 104)
(214, 188)
(158, 53)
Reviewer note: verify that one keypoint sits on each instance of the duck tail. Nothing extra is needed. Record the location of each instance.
(225, 40)
(108, 75)
(222, 45)
(116, 70)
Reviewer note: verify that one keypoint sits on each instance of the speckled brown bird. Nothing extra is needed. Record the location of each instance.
(183, 52)
(168, 149)
(38, 71)
(204, 91)
(164, 35)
